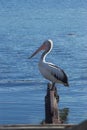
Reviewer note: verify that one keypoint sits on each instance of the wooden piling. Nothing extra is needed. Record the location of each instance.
(51, 106)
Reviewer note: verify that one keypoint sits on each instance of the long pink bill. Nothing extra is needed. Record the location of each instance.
(42, 47)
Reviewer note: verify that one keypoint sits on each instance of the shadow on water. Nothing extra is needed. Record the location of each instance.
(22, 85)
(21, 82)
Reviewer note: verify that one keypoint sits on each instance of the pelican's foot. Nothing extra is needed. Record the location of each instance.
(49, 86)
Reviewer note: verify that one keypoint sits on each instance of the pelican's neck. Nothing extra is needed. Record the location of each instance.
(44, 54)
(48, 49)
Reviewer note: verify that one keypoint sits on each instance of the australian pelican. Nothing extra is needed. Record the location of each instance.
(50, 71)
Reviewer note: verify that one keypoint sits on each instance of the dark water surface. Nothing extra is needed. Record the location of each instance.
(24, 25)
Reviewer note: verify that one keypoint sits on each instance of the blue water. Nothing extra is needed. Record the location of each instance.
(24, 25)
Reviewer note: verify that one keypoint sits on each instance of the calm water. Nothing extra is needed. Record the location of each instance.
(24, 25)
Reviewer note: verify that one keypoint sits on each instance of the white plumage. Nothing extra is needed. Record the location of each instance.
(49, 70)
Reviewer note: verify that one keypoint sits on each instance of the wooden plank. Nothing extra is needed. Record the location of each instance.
(81, 126)
(36, 127)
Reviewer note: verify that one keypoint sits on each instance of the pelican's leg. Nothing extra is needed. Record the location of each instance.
(53, 86)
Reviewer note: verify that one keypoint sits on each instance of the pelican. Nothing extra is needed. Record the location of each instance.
(50, 71)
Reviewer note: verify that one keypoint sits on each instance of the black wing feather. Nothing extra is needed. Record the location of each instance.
(63, 79)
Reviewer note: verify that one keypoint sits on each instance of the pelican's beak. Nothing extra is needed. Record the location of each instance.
(42, 47)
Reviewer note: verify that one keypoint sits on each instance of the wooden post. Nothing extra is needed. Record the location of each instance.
(51, 106)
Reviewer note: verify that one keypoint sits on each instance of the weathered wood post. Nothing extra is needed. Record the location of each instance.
(51, 106)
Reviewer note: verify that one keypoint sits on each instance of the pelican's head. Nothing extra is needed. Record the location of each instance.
(47, 45)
